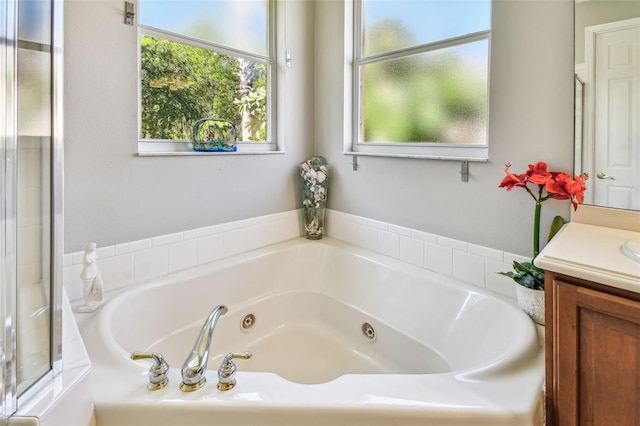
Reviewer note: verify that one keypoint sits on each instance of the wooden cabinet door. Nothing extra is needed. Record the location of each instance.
(596, 357)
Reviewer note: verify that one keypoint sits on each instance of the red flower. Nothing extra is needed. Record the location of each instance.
(510, 181)
(563, 187)
(558, 185)
(538, 174)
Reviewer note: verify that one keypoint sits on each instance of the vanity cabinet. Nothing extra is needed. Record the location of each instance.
(592, 353)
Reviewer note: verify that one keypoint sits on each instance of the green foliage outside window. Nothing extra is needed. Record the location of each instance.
(254, 110)
(182, 84)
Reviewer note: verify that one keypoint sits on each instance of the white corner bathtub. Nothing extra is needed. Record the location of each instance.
(442, 353)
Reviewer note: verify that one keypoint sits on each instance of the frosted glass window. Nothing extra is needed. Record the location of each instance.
(421, 72)
(437, 96)
(396, 24)
(239, 24)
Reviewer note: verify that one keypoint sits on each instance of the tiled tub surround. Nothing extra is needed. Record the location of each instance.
(133, 262)
(470, 263)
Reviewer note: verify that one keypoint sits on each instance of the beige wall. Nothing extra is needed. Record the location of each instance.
(112, 196)
(595, 12)
(531, 119)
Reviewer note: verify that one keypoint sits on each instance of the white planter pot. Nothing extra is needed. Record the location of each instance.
(532, 302)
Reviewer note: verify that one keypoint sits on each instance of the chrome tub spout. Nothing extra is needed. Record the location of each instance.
(195, 366)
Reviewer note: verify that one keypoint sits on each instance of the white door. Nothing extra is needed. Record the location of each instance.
(617, 118)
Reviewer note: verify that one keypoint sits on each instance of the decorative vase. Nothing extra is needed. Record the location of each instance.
(532, 302)
(314, 176)
(214, 135)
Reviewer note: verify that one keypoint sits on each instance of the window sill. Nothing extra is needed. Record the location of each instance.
(147, 148)
(425, 151)
(200, 154)
(451, 152)
(418, 156)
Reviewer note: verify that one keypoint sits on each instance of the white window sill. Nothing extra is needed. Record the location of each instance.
(431, 152)
(418, 156)
(199, 154)
(427, 151)
(169, 148)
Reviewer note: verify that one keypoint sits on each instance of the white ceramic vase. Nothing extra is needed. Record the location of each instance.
(532, 302)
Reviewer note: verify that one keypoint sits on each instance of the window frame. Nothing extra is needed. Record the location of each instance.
(275, 100)
(426, 150)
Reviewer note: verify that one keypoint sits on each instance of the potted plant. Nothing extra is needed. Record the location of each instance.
(546, 185)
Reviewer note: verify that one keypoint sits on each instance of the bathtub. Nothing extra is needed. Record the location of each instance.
(339, 336)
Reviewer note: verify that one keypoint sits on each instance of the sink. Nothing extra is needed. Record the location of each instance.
(632, 249)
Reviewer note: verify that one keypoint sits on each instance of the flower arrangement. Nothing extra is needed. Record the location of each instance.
(546, 184)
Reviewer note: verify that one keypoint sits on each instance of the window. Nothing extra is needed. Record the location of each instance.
(421, 78)
(206, 59)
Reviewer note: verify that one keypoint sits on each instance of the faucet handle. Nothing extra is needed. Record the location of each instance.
(227, 370)
(158, 371)
(237, 355)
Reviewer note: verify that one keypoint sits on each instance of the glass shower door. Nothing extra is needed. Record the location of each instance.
(33, 217)
(30, 198)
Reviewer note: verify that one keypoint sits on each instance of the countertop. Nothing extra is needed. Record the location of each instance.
(592, 253)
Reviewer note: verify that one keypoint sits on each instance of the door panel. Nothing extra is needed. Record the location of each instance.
(617, 118)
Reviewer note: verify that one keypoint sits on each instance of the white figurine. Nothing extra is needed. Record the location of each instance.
(91, 280)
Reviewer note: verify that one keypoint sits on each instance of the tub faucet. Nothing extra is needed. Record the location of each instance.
(195, 366)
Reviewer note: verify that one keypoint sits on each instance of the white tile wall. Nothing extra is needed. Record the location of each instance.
(136, 261)
(150, 263)
(473, 264)
(438, 258)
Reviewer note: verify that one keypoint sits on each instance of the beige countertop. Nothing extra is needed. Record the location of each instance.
(592, 253)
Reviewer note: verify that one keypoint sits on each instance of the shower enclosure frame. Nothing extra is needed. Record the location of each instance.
(8, 142)
(10, 397)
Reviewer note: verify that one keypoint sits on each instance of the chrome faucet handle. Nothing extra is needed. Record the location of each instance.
(227, 370)
(158, 371)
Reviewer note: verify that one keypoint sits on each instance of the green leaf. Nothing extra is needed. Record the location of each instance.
(557, 223)
(527, 275)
